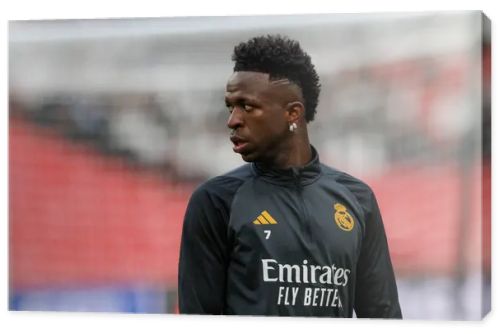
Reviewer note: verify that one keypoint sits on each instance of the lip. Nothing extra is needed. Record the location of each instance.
(239, 144)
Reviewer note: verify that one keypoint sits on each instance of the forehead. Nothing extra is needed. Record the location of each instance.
(253, 83)
(256, 85)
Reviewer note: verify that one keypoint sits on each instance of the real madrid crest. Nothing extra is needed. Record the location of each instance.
(343, 219)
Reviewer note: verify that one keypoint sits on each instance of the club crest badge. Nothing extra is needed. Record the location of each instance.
(342, 218)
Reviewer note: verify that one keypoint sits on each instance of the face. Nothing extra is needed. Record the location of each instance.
(258, 115)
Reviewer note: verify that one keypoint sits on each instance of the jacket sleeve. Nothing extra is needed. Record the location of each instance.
(376, 293)
(203, 255)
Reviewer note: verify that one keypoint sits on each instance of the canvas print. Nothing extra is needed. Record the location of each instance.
(326, 165)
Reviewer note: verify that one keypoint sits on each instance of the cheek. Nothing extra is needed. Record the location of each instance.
(271, 132)
(279, 125)
(269, 127)
(274, 121)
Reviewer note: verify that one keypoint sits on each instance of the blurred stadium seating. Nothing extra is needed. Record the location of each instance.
(83, 220)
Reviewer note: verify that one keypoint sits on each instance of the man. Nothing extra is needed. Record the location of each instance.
(284, 234)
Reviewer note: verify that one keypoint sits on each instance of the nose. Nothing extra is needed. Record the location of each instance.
(235, 118)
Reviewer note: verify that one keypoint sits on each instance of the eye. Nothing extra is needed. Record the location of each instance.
(229, 108)
(247, 107)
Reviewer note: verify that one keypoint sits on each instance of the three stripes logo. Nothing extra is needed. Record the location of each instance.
(265, 219)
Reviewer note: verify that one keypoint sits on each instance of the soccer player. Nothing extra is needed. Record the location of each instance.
(282, 234)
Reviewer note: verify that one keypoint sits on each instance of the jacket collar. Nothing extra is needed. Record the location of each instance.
(291, 176)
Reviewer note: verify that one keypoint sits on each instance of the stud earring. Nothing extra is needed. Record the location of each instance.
(292, 127)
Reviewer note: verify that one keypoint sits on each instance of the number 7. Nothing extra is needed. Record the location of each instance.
(268, 233)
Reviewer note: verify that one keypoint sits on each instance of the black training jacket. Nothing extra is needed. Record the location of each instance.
(299, 242)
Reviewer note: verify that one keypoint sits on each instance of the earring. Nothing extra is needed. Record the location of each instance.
(292, 127)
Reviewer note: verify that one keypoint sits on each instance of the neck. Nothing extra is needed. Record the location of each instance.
(296, 153)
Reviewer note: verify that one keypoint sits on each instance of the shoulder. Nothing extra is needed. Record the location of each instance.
(228, 181)
(362, 191)
(223, 187)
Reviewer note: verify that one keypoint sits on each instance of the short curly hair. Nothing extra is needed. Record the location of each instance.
(282, 58)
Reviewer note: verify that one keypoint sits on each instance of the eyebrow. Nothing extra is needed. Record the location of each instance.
(240, 100)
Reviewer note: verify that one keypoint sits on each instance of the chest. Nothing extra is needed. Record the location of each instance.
(320, 224)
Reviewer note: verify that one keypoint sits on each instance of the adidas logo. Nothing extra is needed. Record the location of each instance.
(264, 219)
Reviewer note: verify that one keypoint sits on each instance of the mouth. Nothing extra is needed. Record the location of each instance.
(239, 144)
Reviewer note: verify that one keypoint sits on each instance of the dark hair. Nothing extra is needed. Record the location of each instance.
(282, 58)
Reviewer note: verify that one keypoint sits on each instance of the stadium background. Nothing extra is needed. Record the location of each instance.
(114, 122)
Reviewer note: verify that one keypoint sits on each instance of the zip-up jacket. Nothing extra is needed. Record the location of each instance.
(305, 241)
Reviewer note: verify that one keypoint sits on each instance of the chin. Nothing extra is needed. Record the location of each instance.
(249, 157)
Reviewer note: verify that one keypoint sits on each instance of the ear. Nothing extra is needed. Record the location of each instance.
(296, 111)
